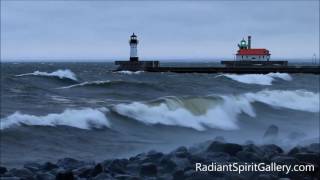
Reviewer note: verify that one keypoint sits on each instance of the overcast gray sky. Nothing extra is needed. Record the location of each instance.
(178, 29)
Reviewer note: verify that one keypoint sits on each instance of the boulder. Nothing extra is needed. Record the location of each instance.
(3, 170)
(312, 158)
(96, 170)
(285, 160)
(178, 175)
(148, 169)
(167, 164)
(271, 150)
(246, 156)
(229, 148)
(103, 176)
(48, 166)
(126, 177)
(44, 176)
(34, 167)
(65, 175)
(181, 152)
(70, 163)
(118, 166)
(21, 173)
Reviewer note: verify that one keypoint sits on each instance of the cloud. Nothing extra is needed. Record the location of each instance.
(178, 29)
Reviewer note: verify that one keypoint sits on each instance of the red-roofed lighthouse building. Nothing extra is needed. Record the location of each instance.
(246, 53)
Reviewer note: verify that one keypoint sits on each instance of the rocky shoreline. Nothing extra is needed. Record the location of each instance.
(179, 164)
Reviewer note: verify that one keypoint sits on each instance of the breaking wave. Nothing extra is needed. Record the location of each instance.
(261, 79)
(218, 111)
(297, 100)
(129, 72)
(197, 113)
(110, 83)
(84, 119)
(62, 74)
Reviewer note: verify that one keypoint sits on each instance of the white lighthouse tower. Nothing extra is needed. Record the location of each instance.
(133, 47)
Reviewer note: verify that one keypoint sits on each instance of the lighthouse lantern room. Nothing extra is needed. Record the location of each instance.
(133, 47)
(246, 53)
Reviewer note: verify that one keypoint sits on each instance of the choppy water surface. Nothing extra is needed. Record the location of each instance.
(86, 111)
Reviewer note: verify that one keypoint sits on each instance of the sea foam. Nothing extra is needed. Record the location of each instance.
(295, 99)
(200, 113)
(79, 118)
(66, 73)
(261, 79)
(178, 112)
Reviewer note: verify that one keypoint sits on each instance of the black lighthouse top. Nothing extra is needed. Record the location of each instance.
(133, 39)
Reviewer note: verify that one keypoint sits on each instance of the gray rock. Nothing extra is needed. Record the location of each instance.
(126, 177)
(34, 167)
(246, 156)
(285, 160)
(271, 150)
(103, 176)
(96, 170)
(70, 163)
(44, 176)
(48, 166)
(219, 139)
(118, 166)
(148, 169)
(314, 147)
(10, 178)
(312, 158)
(178, 175)
(167, 164)
(21, 173)
(229, 148)
(3, 170)
(266, 177)
(181, 152)
(65, 175)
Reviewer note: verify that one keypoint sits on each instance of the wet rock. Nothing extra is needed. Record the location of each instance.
(44, 176)
(294, 151)
(10, 178)
(148, 169)
(248, 142)
(151, 156)
(65, 175)
(34, 167)
(103, 176)
(126, 177)
(246, 156)
(118, 166)
(217, 157)
(48, 166)
(167, 164)
(3, 170)
(181, 152)
(266, 177)
(285, 160)
(229, 148)
(21, 173)
(312, 158)
(314, 147)
(181, 163)
(83, 172)
(178, 175)
(271, 132)
(96, 170)
(253, 149)
(219, 139)
(70, 163)
(271, 150)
